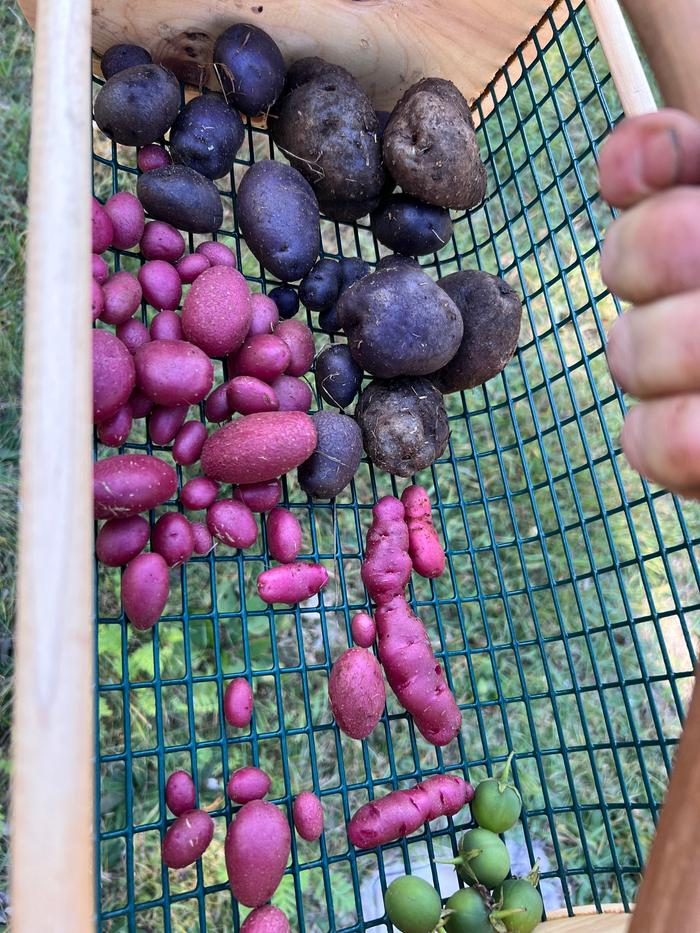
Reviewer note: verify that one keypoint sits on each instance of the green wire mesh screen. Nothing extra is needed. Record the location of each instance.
(564, 620)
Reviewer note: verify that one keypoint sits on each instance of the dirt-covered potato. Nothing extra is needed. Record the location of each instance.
(404, 424)
(491, 311)
(206, 135)
(326, 126)
(411, 227)
(338, 377)
(320, 287)
(336, 458)
(250, 68)
(138, 105)
(398, 322)
(181, 197)
(120, 57)
(430, 147)
(278, 216)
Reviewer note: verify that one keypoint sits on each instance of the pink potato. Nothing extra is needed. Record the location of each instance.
(133, 334)
(301, 345)
(187, 839)
(191, 266)
(259, 497)
(166, 325)
(101, 228)
(202, 538)
(161, 241)
(265, 315)
(160, 284)
(100, 269)
(140, 404)
(257, 849)
(98, 300)
(217, 253)
(266, 919)
(115, 430)
(125, 212)
(217, 407)
(173, 372)
(189, 442)
(122, 298)
(145, 588)
(199, 493)
(127, 484)
(113, 375)
(427, 554)
(356, 691)
(232, 523)
(363, 630)
(152, 156)
(247, 784)
(248, 395)
(164, 422)
(259, 447)
(293, 394)
(216, 311)
(119, 540)
(283, 536)
(172, 539)
(265, 356)
(307, 811)
(180, 793)
(291, 583)
(238, 703)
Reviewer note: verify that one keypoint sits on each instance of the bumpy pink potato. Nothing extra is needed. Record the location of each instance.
(258, 843)
(180, 793)
(125, 212)
(145, 588)
(247, 784)
(160, 284)
(122, 297)
(187, 839)
(216, 312)
(152, 156)
(202, 538)
(427, 554)
(217, 407)
(248, 395)
(98, 300)
(293, 394)
(115, 430)
(161, 241)
(127, 484)
(189, 267)
(266, 919)
(199, 493)
(265, 356)
(164, 422)
(140, 404)
(217, 253)
(173, 372)
(291, 583)
(301, 345)
(113, 375)
(166, 325)
(283, 536)
(363, 630)
(356, 691)
(265, 315)
(232, 523)
(188, 444)
(259, 497)
(172, 539)
(133, 334)
(119, 540)
(238, 703)
(307, 811)
(100, 269)
(101, 228)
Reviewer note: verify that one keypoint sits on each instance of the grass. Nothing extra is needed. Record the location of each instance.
(567, 620)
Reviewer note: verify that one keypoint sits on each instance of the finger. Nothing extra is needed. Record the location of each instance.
(655, 349)
(653, 250)
(661, 440)
(647, 154)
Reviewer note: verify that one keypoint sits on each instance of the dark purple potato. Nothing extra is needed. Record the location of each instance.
(286, 299)
(138, 105)
(331, 467)
(181, 197)
(250, 68)
(328, 321)
(206, 135)
(352, 269)
(120, 57)
(338, 377)
(320, 288)
(408, 226)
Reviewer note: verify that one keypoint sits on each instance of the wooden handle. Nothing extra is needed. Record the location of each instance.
(52, 842)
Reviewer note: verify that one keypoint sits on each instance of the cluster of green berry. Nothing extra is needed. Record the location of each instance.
(492, 902)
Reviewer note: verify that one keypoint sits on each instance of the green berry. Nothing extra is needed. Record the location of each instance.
(483, 858)
(471, 915)
(412, 905)
(519, 906)
(496, 806)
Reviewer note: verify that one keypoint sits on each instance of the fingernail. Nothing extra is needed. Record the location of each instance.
(609, 254)
(619, 352)
(660, 159)
(631, 438)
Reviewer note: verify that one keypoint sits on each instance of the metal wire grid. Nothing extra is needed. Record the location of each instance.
(564, 623)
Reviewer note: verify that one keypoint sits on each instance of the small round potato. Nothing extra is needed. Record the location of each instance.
(137, 106)
(121, 295)
(334, 462)
(408, 226)
(166, 325)
(292, 394)
(173, 372)
(180, 793)
(161, 241)
(206, 135)
(119, 540)
(133, 334)
(250, 68)
(164, 423)
(172, 539)
(320, 287)
(338, 377)
(119, 57)
(125, 212)
(145, 588)
(152, 156)
(199, 493)
(187, 838)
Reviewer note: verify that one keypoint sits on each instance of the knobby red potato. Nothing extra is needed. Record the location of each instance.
(427, 554)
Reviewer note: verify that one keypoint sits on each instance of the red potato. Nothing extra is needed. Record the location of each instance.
(356, 691)
(173, 372)
(188, 444)
(145, 588)
(98, 300)
(259, 447)
(166, 325)
(232, 523)
(125, 212)
(266, 919)
(115, 430)
(189, 267)
(122, 298)
(307, 812)
(152, 156)
(161, 241)
(427, 554)
(247, 784)
(101, 228)
(216, 312)
(216, 407)
(363, 630)
(259, 497)
(386, 568)
(180, 793)
(291, 583)
(249, 395)
(283, 536)
(127, 484)
(199, 493)
(160, 284)
(164, 422)
(238, 703)
(203, 542)
(113, 375)
(265, 314)
(257, 849)
(217, 253)
(187, 839)
(293, 394)
(265, 356)
(133, 334)
(172, 539)
(140, 404)
(301, 345)
(100, 269)
(402, 812)
(119, 540)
